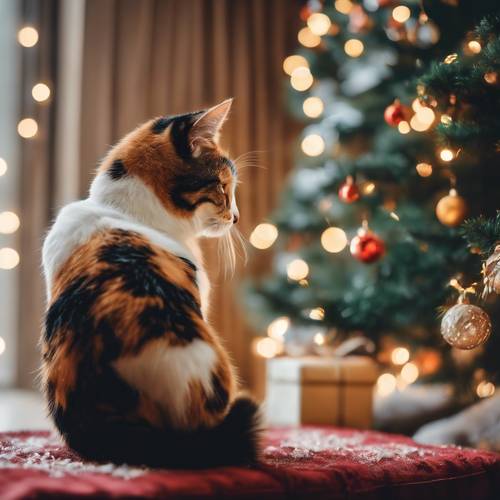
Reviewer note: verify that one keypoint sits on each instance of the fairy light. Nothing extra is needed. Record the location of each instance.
(409, 373)
(343, 6)
(401, 13)
(446, 120)
(9, 222)
(293, 62)
(27, 36)
(354, 47)
(307, 38)
(386, 384)
(446, 154)
(40, 92)
(368, 188)
(278, 327)
(318, 313)
(474, 46)
(27, 128)
(491, 77)
(301, 79)
(263, 236)
(450, 58)
(9, 258)
(416, 104)
(404, 127)
(485, 389)
(400, 355)
(3, 167)
(319, 338)
(2, 346)
(313, 145)
(424, 169)
(334, 239)
(313, 107)
(297, 269)
(319, 23)
(268, 347)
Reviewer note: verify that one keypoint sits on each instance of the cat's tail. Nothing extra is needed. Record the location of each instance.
(235, 441)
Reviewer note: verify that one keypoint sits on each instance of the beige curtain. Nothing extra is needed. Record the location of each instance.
(144, 58)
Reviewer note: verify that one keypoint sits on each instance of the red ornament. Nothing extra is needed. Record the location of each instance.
(384, 3)
(367, 246)
(348, 191)
(394, 113)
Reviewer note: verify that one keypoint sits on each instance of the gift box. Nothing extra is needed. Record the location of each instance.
(321, 390)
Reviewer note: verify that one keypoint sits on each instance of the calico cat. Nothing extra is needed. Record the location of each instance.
(132, 371)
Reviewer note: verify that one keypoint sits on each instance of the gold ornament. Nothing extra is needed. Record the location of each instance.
(465, 326)
(491, 272)
(451, 209)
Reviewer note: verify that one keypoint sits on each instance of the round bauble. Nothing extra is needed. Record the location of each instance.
(492, 272)
(367, 247)
(394, 113)
(451, 209)
(348, 191)
(465, 326)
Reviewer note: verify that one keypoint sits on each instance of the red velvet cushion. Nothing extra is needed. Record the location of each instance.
(303, 463)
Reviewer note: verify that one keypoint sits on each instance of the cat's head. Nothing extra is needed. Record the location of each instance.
(179, 159)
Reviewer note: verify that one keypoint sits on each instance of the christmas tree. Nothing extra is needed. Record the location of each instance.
(368, 234)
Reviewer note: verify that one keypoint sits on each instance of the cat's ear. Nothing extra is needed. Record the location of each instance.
(206, 128)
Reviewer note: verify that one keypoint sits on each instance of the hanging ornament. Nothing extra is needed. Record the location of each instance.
(491, 272)
(359, 20)
(451, 209)
(367, 246)
(465, 326)
(348, 191)
(394, 113)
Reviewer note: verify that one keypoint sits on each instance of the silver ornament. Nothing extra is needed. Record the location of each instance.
(465, 326)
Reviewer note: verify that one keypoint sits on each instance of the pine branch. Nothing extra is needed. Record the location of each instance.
(482, 233)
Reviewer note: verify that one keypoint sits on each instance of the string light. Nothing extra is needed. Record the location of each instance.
(401, 13)
(485, 389)
(263, 236)
(9, 222)
(319, 338)
(268, 347)
(307, 38)
(403, 127)
(450, 58)
(317, 313)
(446, 154)
(319, 23)
(424, 169)
(301, 79)
(27, 128)
(400, 355)
(409, 373)
(334, 239)
(3, 167)
(313, 145)
(313, 107)
(27, 36)
(446, 119)
(422, 119)
(297, 269)
(386, 384)
(293, 62)
(40, 92)
(368, 188)
(474, 46)
(354, 47)
(9, 258)
(2, 345)
(278, 327)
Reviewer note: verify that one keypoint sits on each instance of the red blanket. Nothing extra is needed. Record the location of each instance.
(307, 463)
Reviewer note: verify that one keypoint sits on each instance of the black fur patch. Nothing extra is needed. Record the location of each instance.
(117, 170)
(161, 124)
(185, 184)
(219, 399)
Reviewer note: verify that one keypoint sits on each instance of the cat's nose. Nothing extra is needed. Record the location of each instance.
(236, 218)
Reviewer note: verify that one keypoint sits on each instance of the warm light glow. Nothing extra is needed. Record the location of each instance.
(268, 347)
(2, 345)
(474, 46)
(27, 36)
(301, 79)
(3, 167)
(307, 38)
(354, 47)
(334, 239)
(401, 13)
(9, 222)
(409, 373)
(313, 145)
(317, 313)
(426, 115)
(400, 355)
(313, 107)
(319, 338)
(386, 384)
(446, 119)
(294, 62)
(343, 6)
(404, 127)
(319, 23)
(263, 236)
(416, 104)
(297, 269)
(485, 389)
(368, 188)
(40, 92)
(450, 58)
(278, 328)
(424, 169)
(27, 128)
(491, 77)
(446, 154)
(9, 258)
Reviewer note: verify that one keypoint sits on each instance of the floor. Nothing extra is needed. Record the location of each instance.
(21, 410)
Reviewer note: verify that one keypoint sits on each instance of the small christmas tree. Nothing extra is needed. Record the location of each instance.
(371, 174)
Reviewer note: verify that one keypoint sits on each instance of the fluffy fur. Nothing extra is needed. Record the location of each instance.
(131, 368)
